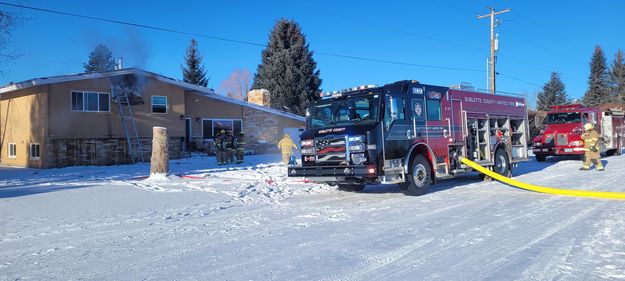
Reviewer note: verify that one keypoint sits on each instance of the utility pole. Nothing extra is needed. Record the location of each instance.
(492, 43)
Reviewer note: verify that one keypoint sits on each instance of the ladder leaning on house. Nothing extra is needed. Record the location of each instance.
(135, 150)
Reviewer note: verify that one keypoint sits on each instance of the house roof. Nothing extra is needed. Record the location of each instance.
(187, 86)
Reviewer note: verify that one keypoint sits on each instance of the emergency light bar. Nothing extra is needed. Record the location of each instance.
(339, 93)
(567, 106)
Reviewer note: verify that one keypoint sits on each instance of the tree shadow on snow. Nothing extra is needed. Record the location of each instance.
(18, 191)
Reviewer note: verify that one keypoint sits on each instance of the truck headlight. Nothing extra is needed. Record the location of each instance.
(538, 144)
(308, 150)
(356, 139)
(577, 143)
(358, 159)
(308, 143)
(356, 147)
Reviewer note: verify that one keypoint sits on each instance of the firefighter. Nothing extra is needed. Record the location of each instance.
(230, 146)
(240, 147)
(286, 145)
(220, 145)
(591, 149)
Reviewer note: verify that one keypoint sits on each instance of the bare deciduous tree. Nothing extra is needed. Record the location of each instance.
(236, 85)
(8, 21)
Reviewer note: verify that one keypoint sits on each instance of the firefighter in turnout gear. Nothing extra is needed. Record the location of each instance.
(286, 145)
(591, 148)
(220, 145)
(240, 147)
(230, 143)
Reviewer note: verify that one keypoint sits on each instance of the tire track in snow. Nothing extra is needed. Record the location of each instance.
(376, 262)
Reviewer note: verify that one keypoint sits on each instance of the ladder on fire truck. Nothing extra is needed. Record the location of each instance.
(135, 150)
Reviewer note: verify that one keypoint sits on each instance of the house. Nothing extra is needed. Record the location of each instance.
(76, 119)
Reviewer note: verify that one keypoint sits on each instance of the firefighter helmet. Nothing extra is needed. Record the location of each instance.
(588, 126)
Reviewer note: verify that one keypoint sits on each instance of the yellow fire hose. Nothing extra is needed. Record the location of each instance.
(542, 189)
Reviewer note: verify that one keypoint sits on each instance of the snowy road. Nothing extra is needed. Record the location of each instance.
(252, 223)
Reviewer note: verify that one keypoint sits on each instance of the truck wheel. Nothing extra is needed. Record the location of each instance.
(610, 152)
(344, 187)
(502, 163)
(419, 179)
(541, 158)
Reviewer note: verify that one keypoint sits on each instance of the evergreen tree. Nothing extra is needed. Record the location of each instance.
(288, 69)
(553, 93)
(194, 72)
(598, 90)
(100, 60)
(617, 77)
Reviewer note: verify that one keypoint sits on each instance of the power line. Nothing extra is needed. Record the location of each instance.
(229, 39)
(390, 28)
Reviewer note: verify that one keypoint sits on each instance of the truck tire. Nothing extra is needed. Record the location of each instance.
(502, 163)
(351, 187)
(540, 158)
(419, 178)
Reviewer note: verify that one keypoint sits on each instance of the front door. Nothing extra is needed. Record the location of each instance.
(398, 128)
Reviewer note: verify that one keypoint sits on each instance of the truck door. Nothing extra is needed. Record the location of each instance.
(438, 120)
(398, 130)
(457, 127)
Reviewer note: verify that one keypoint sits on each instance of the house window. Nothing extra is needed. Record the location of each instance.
(211, 127)
(90, 101)
(159, 104)
(12, 150)
(35, 151)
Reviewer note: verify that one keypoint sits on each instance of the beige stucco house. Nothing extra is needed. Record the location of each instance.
(74, 119)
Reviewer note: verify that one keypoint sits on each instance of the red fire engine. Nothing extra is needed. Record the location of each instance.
(562, 135)
(409, 134)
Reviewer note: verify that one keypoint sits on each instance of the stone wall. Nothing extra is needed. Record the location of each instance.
(260, 125)
(98, 152)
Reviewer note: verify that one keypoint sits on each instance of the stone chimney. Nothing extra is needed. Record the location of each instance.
(259, 96)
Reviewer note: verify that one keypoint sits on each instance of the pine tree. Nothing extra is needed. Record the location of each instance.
(100, 60)
(598, 90)
(288, 69)
(553, 93)
(617, 77)
(194, 72)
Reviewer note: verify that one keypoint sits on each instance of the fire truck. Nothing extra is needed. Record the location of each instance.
(562, 135)
(410, 134)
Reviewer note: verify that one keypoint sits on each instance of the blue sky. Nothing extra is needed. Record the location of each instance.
(537, 37)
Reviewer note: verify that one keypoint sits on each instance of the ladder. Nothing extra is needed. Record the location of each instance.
(135, 150)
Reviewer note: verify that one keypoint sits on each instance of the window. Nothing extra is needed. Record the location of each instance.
(211, 127)
(344, 111)
(159, 104)
(35, 151)
(90, 101)
(434, 109)
(12, 150)
(395, 108)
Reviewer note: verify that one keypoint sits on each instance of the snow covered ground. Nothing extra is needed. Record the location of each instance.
(250, 222)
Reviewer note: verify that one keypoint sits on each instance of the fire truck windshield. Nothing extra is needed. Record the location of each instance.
(347, 111)
(563, 117)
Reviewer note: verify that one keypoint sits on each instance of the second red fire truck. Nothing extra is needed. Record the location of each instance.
(564, 127)
(410, 134)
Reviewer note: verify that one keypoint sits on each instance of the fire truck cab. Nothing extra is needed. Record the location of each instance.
(564, 127)
(410, 134)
